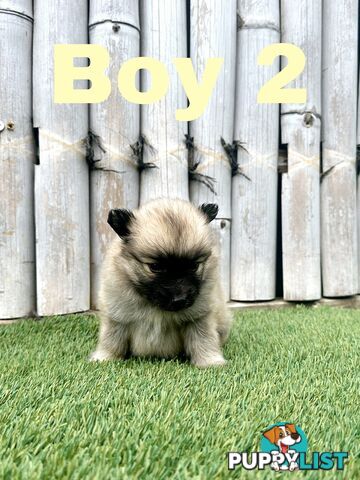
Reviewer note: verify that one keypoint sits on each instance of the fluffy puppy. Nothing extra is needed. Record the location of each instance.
(160, 288)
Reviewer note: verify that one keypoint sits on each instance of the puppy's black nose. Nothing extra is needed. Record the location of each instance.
(295, 436)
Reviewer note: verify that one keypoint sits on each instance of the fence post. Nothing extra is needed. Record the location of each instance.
(17, 248)
(254, 188)
(300, 130)
(115, 123)
(339, 254)
(213, 34)
(61, 178)
(165, 166)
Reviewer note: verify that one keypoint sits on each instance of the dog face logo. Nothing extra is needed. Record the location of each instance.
(284, 440)
(283, 437)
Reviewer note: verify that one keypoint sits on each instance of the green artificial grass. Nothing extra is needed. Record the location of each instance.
(62, 417)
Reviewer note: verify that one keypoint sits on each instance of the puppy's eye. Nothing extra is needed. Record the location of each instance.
(156, 267)
(195, 267)
(281, 434)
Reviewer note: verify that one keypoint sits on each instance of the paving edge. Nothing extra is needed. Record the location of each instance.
(344, 302)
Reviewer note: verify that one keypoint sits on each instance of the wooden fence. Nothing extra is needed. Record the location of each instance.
(284, 176)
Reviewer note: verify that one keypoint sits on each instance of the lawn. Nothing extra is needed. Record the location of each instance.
(62, 417)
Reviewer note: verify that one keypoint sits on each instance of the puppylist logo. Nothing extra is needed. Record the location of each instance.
(283, 446)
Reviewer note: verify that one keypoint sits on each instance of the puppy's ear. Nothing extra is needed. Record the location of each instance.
(210, 210)
(119, 220)
(291, 427)
(271, 434)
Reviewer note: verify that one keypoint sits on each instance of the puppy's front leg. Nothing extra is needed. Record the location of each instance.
(113, 341)
(202, 344)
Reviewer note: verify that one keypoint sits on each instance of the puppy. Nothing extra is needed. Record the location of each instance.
(160, 290)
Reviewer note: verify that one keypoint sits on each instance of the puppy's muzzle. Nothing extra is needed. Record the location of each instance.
(178, 302)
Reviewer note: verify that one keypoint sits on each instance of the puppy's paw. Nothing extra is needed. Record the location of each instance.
(211, 361)
(100, 356)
